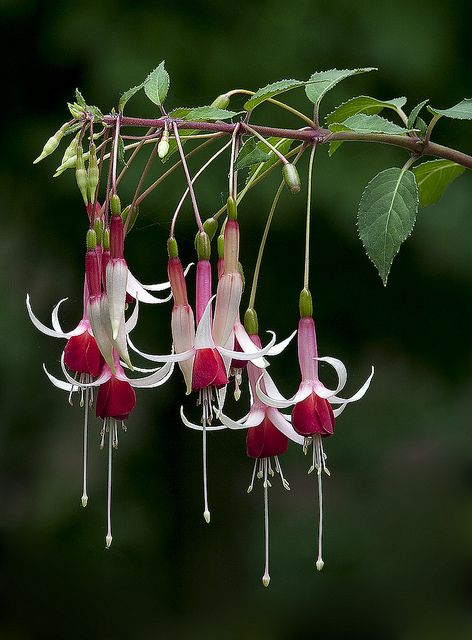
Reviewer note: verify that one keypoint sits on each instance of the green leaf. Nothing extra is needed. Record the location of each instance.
(415, 113)
(421, 126)
(460, 111)
(387, 215)
(80, 99)
(362, 123)
(180, 113)
(127, 95)
(95, 111)
(157, 84)
(281, 144)
(250, 154)
(271, 90)
(433, 178)
(362, 104)
(322, 81)
(209, 113)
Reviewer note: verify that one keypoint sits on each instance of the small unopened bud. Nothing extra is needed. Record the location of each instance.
(71, 150)
(203, 246)
(92, 173)
(52, 144)
(172, 248)
(91, 240)
(291, 177)
(221, 246)
(250, 322)
(306, 304)
(106, 240)
(81, 175)
(98, 228)
(115, 205)
(129, 216)
(232, 208)
(163, 146)
(221, 102)
(76, 110)
(210, 225)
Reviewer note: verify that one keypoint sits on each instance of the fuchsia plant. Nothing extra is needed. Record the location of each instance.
(210, 344)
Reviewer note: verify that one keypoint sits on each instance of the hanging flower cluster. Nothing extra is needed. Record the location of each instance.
(212, 347)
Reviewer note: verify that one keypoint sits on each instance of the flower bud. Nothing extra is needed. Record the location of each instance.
(172, 249)
(52, 144)
(115, 205)
(81, 175)
(129, 216)
(98, 228)
(306, 304)
(71, 150)
(210, 225)
(91, 239)
(221, 102)
(250, 322)
(76, 110)
(232, 208)
(203, 246)
(163, 146)
(221, 246)
(92, 173)
(106, 240)
(291, 177)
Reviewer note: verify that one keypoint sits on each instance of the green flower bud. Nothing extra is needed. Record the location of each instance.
(172, 248)
(52, 144)
(76, 110)
(291, 177)
(306, 304)
(232, 208)
(221, 246)
(163, 146)
(71, 150)
(92, 173)
(250, 322)
(91, 239)
(210, 225)
(132, 214)
(81, 175)
(115, 205)
(203, 246)
(106, 240)
(98, 228)
(221, 102)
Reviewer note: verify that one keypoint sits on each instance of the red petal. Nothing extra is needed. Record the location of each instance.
(238, 364)
(116, 399)
(205, 368)
(93, 356)
(313, 416)
(265, 440)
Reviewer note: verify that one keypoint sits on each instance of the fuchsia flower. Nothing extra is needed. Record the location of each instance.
(312, 415)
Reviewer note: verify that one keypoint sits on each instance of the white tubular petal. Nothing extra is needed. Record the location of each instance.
(228, 298)
(56, 325)
(283, 426)
(154, 380)
(137, 290)
(163, 286)
(278, 348)
(252, 354)
(99, 331)
(121, 345)
(133, 319)
(171, 357)
(53, 333)
(198, 427)
(106, 375)
(356, 396)
(340, 369)
(203, 336)
(337, 412)
(139, 369)
(279, 401)
(117, 277)
(60, 384)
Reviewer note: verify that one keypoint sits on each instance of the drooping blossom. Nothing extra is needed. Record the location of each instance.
(313, 417)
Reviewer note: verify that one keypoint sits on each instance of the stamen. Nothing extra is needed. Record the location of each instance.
(266, 576)
(319, 467)
(102, 434)
(206, 513)
(109, 537)
(238, 378)
(251, 486)
(278, 468)
(84, 487)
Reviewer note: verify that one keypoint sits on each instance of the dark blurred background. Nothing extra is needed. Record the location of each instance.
(398, 506)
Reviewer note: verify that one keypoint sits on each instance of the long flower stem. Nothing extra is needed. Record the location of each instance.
(189, 179)
(281, 156)
(282, 105)
(308, 217)
(260, 254)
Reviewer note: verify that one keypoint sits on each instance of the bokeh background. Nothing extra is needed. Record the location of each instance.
(398, 506)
